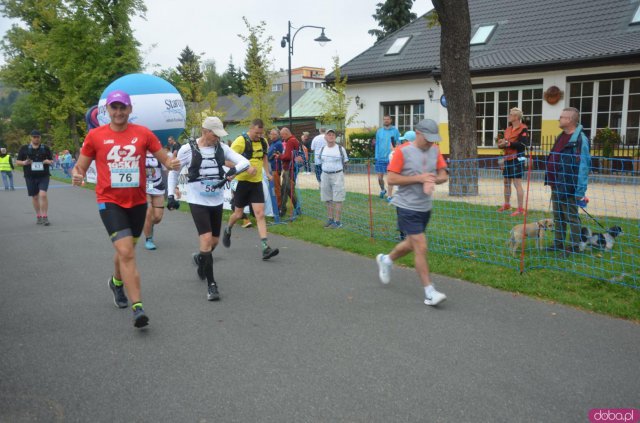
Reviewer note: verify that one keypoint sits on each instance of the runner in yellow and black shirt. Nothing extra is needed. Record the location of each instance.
(253, 146)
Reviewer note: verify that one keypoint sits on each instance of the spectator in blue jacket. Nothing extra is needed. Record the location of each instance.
(386, 138)
(567, 173)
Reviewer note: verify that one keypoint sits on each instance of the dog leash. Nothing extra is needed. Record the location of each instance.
(593, 218)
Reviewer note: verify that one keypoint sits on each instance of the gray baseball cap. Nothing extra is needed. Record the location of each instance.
(428, 128)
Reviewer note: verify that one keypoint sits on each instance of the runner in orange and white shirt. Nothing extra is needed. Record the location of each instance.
(415, 168)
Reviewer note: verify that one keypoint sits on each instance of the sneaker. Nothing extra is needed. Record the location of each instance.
(504, 207)
(45, 221)
(149, 245)
(140, 319)
(328, 224)
(39, 221)
(337, 225)
(226, 237)
(384, 270)
(519, 211)
(212, 293)
(269, 252)
(200, 269)
(119, 297)
(435, 299)
(13, 189)
(247, 223)
(382, 193)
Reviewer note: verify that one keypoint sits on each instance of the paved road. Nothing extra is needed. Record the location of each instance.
(311, 336)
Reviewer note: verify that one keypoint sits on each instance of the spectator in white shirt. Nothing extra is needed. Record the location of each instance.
(332, 159)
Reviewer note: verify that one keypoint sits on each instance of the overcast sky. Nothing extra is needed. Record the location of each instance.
(210, 28)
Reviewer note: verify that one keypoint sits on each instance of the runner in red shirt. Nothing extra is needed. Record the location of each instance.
(119, 150)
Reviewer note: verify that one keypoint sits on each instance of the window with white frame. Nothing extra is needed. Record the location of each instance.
(633, 113)
(276, 87)
(405, 115)
(612, 103)
(493, 106)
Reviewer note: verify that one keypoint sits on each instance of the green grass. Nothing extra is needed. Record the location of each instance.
(466, 241)
(555, 286)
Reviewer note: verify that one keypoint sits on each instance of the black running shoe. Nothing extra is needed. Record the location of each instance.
(226, 237)
(212, 293)
(268, 252)
(45, 221)
(119, 297)
(199, 267)
(140, 319)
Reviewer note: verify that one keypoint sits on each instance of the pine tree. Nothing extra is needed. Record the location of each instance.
(232, 81)
(391, 16)
(192, 77)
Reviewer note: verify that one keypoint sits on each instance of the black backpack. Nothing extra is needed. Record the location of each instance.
(248, 147)
(196, 161)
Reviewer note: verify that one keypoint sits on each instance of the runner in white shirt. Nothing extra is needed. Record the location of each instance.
(155, 199)
(205, 157)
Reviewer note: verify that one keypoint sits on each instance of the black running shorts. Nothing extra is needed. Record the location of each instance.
(412, 222)
(248, 193)
(207, 218)
(121, 222)
(35, 184)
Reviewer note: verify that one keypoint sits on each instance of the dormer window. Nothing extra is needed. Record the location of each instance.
(397, 46)
(482, 35)
(636, 17)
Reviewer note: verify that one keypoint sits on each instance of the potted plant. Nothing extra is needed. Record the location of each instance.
(607, 140)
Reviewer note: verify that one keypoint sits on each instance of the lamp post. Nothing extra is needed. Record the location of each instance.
(288, 40)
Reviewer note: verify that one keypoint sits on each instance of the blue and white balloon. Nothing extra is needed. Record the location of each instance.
(156, 104)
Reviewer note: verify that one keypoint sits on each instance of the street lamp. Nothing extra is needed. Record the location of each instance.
(288, 39)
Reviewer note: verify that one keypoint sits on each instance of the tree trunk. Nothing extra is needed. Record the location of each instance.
(455, 25)
(73, 126)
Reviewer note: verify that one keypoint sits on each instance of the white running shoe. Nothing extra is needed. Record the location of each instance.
(435, 299)
(384, 270)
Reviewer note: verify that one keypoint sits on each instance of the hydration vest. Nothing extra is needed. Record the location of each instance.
(196, 161)
(248, 147)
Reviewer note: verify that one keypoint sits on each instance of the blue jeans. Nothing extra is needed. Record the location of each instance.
(7, 179)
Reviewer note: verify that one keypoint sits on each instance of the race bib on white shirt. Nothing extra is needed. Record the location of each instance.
(207, 188)
(37, 166)
(125, 177)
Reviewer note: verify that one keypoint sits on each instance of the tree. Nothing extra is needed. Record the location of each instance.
(170, 75)
(64, 53)
(336, 103)
(258, 77)
(192, 79)
(212, 80)
(232, 81)
(455, 23)
(391, 16)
